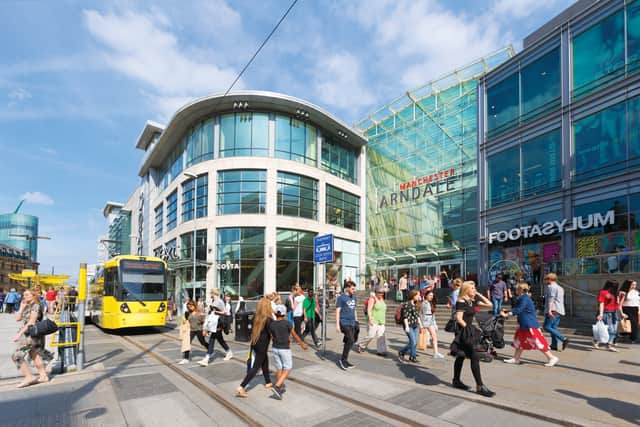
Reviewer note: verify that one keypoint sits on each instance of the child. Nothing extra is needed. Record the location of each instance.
(280, 330)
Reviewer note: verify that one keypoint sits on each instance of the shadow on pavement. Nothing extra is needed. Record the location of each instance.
(617, 408)
(104, 357)
(628, 362)
(419, 374)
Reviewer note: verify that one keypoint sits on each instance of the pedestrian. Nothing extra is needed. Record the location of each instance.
(195, 318)
(528, 335)
(201, 305)
(290, 302)
(60, 297)
(610, 311)
(428, 318)
(311, 315)
(403, 286)
(630, 302)
(298, 309)
(2, 295)
(444, 278)
(214, 326)
(260, 339)
(73, 297)
(453, 297)
(171, 307)
(347, 322)
(497, 292)
(281, 333)
(411, 323)
(30, 348)
(50, 298)
(467, 341)
(11, 300)
(376, 319)
(554, 302)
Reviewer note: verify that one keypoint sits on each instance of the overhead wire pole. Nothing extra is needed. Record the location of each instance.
(260, 48)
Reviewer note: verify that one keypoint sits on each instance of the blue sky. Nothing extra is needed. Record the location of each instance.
(78, 80)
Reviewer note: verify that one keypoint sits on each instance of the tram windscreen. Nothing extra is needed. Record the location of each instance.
(142, 281)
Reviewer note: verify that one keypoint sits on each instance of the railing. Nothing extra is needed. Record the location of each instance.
(619, 263)
(570, 291)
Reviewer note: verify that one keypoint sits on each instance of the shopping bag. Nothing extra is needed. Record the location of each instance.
(422, 341)
(600, 332)
(624, 326)
(399, 296)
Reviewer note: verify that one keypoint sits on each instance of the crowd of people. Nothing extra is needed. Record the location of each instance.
(50, 299)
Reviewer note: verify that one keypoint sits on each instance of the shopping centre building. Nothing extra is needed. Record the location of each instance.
(422, 177)
(560, 147)
(236, 187)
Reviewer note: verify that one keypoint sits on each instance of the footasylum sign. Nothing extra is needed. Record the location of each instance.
(552, 227)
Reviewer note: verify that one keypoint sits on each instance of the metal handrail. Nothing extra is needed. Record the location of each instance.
(580, 291)
(599, 264)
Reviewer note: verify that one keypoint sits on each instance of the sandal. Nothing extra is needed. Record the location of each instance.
(241, 393)
(25, 383)
(43, 380)
(268, 385)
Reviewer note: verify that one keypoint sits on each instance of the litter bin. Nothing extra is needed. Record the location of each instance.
(244, 322)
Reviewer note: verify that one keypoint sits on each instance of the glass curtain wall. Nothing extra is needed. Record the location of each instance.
(199, 143)
(607, 51)
(297, 196)
(186, 253)
(242, 191)
(240, 259)
(339, 160)
(172, 210)
(187, 198)
(296, 140)
(342, 208)
(526, 170)
(159, 216)
(244, 134)
(294, 259)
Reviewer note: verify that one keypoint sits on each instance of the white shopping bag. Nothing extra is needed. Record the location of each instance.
(600, 332)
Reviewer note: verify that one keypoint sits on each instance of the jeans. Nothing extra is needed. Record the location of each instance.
(310, 328)
(610, 318)
(350, 337)
(497, 305)
(216, 336)
(551, 325)
(410, 348)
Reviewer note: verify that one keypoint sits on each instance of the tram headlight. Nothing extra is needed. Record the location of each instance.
(162, 307)
(124, 308)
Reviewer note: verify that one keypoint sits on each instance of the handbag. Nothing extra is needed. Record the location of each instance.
(452, 326)
(624, 326)
(42, 328)
(422, 341)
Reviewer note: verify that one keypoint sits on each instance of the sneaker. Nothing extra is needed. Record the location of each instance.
(413, 359)
(484, 391)
(596, 345)
(360, 349)
(204, 361)
(565, 343)
(512, 361)
(183, 362)
(401, 356)
(552, 362)
(460, 385)
(342, 365)
(349, 365)
(438, 356)
(276, 392)
(612, 348)
(241, 392)
(229, 355)
(381, 354)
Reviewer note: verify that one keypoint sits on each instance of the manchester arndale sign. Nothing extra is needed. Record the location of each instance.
(422, 187)
(552, 227)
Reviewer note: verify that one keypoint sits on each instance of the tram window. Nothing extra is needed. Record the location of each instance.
(110, 279)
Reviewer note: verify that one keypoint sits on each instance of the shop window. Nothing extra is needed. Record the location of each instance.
(240, 259)
(294, 259)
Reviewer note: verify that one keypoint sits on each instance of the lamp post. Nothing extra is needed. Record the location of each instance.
(28, 238)
(106, 246)
(193, 243)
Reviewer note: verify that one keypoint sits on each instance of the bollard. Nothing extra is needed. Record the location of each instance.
(82, 298)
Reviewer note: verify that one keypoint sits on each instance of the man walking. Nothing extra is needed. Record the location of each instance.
(347, 322)
(403, 286)
(497, 293)
(311, 313)
(554, 302)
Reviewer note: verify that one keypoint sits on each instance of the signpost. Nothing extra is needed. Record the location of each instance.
(322, 254)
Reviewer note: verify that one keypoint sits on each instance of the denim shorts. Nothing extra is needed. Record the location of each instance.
(282, 359)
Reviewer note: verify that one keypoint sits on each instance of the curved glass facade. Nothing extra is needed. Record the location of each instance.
(240, 259)
(297, 196)
(244, 134)
(24, 225)
(296, 140)
(343, 209)
(242, 191)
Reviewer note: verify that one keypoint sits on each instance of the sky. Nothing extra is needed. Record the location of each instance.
(79, 79)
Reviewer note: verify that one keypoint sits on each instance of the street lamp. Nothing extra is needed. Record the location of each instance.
(28, 238)
(106, 246)
(193, 243)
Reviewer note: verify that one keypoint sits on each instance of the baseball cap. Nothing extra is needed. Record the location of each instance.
(281, 309)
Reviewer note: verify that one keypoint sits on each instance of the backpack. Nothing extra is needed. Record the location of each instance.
(398, 315)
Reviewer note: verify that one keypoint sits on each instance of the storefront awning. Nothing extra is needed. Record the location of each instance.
(179, 264)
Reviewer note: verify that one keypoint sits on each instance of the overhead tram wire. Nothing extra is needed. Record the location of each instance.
(260, 48)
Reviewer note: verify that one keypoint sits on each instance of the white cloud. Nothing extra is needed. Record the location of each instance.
(18, 95)
(144, 48)
(338, 81)
(37, 198)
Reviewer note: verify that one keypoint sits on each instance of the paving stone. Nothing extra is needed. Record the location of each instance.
(355, 418)
(426, 401)
(135, 386)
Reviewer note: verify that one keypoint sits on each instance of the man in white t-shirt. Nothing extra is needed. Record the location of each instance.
(298, 309)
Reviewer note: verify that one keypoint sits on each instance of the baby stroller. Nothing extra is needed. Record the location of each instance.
(492, 328)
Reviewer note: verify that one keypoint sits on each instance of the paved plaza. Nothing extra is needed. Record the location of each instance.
(122, 386)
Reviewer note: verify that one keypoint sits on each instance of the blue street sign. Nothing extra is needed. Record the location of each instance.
(323, 249)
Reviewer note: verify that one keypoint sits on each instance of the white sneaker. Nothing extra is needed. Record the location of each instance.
(183, 362)
(438, 356)
(229, 355)
(204, 361)
(512, 361)
(612, 348)
(596, 345)
(552, 362)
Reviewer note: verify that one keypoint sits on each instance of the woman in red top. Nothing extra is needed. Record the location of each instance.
(609, 311)
(50, 296)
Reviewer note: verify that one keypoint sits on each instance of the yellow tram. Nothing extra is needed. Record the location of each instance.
(130, 291)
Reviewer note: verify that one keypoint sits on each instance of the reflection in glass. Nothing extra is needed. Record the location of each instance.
(294, 259)
(295, 140)
(504, 177)
(172, 210)
(241, 191)
(244, 134)
(342, 208)
(297, 195)
(242, 247)
(541, 161)
(541, 84)
(339, 160)
(502, 103)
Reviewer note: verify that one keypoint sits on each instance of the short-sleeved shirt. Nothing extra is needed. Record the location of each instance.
(347, 306)
(50, 295)
(610, 301)
(498, 289)
(298, 304)
(555, 298)
(280, 330)
(265, 337)
(410, 313)
(309, 306)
